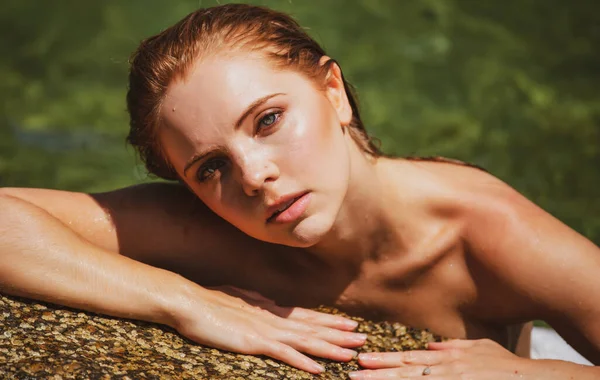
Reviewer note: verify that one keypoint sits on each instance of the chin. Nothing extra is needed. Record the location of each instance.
(309, 231)
(304, 234)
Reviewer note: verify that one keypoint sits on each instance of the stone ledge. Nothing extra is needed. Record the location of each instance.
(40, 340)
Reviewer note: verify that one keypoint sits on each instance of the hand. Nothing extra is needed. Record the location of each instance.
(455, 359)
(245, 322)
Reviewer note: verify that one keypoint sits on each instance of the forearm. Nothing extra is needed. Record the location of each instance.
(558, 369)
(43, 259)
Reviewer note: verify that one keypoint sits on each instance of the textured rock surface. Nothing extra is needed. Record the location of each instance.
(39, 340)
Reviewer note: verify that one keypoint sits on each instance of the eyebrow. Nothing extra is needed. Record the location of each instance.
(255, 104)
(195, 158)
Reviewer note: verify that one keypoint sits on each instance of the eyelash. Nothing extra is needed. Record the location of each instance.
(207, 166)
(210, 164)
(259, 125)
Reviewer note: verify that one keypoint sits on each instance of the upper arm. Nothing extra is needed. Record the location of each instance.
(160, 224)
(556, 269)
(78, 211)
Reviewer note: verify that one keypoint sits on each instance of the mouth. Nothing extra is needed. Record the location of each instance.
(288, 209)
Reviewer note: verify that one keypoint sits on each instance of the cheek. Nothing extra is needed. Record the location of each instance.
(325, 152)
(314, 139)
(216, 197)
(228, 201)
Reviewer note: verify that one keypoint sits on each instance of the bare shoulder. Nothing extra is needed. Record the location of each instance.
(458, 188)
(548, 267)
(472, 192)
(499, 220)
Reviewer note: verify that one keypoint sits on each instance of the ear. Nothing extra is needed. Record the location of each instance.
(336, 93)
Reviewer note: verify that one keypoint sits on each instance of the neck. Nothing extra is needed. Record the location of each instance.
(363, 230)
(372, 228)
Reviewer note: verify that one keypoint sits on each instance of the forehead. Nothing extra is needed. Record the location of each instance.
(219, 87)
(202, 107)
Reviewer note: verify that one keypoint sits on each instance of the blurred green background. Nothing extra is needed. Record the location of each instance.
(513, 86)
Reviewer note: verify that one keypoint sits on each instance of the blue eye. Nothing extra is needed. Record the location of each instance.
(268, 120)
(208, 170)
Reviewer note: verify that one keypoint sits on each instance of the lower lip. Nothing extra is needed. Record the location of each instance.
(293, 212)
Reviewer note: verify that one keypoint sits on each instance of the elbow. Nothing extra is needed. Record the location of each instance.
(8, 196)
(13, 207)
(10, 192)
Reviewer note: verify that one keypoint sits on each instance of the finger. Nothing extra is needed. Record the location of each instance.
(337, 337)
(307, 326)
(287, 354)
(334, 336)
(293, 313)
(402, 359)
(392, 376)
(315, 346)
(389, 373)
(315, 317)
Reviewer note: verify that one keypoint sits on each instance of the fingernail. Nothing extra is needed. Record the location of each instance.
(319, 368)
(367, 357)
(354, 375)
(352, 353)
(351, 323)
(360, 337)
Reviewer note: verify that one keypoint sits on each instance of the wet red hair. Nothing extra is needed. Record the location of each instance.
(168, 55)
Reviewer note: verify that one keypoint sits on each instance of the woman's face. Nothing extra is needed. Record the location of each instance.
(263, 148)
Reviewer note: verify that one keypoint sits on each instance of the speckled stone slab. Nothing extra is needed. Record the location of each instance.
(43, 341)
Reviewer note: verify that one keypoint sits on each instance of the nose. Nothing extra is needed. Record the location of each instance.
(256, 171)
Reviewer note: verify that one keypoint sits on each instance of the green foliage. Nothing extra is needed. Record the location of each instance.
(511, 86)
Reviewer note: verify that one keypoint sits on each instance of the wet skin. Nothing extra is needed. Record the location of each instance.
(433, 245)
(436, 283)
(383, 237)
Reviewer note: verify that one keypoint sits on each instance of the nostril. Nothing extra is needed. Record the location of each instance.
(254, 174)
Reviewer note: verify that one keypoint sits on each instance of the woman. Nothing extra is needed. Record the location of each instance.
(281, 192)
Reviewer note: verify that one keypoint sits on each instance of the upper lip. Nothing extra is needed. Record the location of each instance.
(283, 201)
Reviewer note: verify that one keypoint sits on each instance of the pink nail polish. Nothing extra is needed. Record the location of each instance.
(354, 375)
